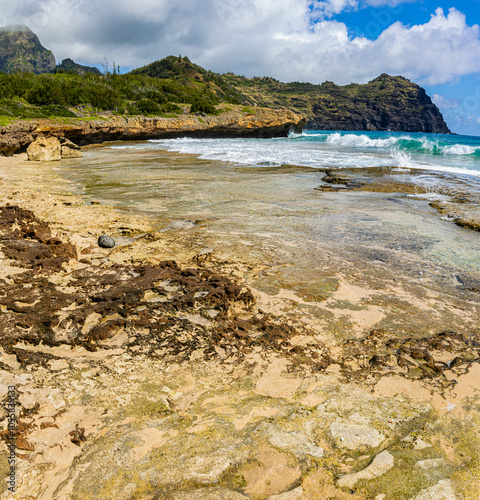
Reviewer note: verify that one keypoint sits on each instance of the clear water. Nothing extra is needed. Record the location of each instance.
(257, 198)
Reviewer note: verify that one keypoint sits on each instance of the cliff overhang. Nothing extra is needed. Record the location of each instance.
(260, 123)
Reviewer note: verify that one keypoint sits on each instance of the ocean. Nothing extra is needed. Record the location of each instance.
(319, 149)
(259, 199)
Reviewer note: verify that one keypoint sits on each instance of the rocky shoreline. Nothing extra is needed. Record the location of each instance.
(155, 369)
(255, 122)
(454, 198)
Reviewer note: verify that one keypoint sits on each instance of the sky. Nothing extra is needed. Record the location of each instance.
(435, 43)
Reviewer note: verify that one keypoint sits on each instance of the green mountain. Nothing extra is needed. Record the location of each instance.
(69, 66)
(21, 50)
(386, 103)
(190, 74)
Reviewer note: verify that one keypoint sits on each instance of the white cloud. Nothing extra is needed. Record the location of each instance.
(444, 103)
(287, 39)
(328, 8)
(386, 3)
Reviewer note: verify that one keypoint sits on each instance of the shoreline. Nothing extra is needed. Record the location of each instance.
(221, 390)
(258, 122)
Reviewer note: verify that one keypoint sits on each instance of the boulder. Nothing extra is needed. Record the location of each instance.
(45, 149)
(69, 149)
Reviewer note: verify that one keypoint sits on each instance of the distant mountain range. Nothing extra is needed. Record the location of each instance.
(386, 103)
(21, 50)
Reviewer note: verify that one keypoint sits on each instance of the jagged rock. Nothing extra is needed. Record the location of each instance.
(381, 464)
(70, 66)
(443, 490)
(353, 436)
(45, 149)
(70, 149)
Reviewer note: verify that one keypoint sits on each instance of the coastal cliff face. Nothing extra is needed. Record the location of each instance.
(386, 103)
(259, 123)
(21, 50)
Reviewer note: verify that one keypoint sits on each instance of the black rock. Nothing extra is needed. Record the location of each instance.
(106, 242)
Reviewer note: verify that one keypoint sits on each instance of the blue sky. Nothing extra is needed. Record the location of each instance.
(435, 43)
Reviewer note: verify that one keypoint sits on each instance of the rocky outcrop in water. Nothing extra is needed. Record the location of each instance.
(260, 123)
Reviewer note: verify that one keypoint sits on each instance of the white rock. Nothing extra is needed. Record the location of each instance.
(381, 464)
(296, 443)
(420, 444)
(354, 436)
(295, 494)
(443, 490)
(58, 364)
(431, 463)
(69, 149)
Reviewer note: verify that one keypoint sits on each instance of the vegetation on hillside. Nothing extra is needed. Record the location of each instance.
(69, 66)
(27, 95)
(187, 73)
(385, 103)
(21, 50)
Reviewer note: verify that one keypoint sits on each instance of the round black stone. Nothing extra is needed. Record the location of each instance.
(106, 242)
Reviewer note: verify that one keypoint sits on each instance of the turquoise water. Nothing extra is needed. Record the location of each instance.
(320, 149)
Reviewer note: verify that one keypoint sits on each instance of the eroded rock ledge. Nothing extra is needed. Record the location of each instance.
(260, 123)
(167, 381)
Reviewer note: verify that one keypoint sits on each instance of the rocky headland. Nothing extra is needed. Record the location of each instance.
(260, 122)
(156, 370)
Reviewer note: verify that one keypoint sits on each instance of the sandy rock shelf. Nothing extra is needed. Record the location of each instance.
(155, 370)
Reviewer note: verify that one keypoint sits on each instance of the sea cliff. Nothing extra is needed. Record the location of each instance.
(255, 122)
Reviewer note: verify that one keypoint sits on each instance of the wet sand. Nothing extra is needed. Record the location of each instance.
(175, 366)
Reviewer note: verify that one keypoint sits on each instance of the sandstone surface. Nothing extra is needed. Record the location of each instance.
(149, 370)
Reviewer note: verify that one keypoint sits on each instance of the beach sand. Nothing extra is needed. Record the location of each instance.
(158, 369)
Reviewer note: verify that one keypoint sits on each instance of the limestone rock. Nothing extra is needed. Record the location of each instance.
(381, 464)
(354, 436)
(296, 443)
(430, 463)
(207, 494)
(443, 490)
(295, 494)
(70, 149)
(45, 149)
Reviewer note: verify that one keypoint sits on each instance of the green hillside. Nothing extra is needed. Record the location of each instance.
(21, 50)
(385, 103)
(192, 75)
(69, 66)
